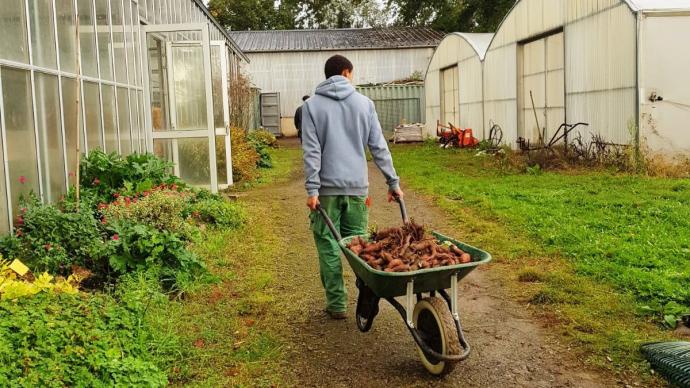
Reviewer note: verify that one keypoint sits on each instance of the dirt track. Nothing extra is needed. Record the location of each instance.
(509, 347)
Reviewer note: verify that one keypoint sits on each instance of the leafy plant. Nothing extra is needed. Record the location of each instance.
(12, 287)
(85, 340)
(263, 136)
(218, 211)
(159, 208)
(139, 247)
(48, 239)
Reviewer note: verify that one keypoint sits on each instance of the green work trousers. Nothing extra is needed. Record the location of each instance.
(350, 216)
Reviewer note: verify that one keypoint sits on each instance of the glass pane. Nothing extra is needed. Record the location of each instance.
(19, 128)
(123, 120)
(109, 119)
(192, 158)
(217, 87)
(149, 13)
(104, 45)
(4, 221)
(221, 160)
(157, 83)
(67, 40)
(13, 45)
(50, 136)
(71, 110)
(134, 113)
(92, 109)
(142, 9)
(142, 124)
(118, 41)
(87, 39)
(129, 43)
(189, 87)
(42, 33)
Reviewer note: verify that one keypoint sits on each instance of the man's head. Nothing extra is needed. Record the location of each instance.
(305, 98)
(338, 65)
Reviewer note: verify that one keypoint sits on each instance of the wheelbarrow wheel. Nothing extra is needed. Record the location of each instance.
(436, 326)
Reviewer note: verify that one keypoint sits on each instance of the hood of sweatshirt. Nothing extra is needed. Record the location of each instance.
(336, 88)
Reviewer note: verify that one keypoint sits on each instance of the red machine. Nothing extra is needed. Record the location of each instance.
(451, 136)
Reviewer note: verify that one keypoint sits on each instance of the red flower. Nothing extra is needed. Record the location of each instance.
(128, 200)
(116, 195)
(102, 206)
(146, 193)
(20, 220)
(47, 246)
(23, 210)
(116, 237)
(96, 181)
(173, 187)
(104, 221)
(22, 179)
(19, 233)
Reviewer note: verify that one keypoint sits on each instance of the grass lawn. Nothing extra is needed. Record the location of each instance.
(605, 253)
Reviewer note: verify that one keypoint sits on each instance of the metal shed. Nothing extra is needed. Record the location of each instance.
(290, 62)
(619, 65)
(453, 82)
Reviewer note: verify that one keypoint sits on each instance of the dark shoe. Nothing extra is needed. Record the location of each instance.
(336, 314)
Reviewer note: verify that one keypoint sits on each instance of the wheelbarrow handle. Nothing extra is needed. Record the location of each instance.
(403, 209)
(329, 223)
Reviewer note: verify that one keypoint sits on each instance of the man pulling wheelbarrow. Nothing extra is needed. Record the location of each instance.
(338, 124)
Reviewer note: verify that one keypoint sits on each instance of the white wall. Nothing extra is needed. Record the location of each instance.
(295, 74)
(665, 70)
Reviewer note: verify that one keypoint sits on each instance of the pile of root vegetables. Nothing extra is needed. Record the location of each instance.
(405, 249)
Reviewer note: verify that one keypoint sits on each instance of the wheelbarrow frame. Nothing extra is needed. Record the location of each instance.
(374, 285)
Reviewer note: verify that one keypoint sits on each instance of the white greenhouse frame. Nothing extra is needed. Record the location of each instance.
(129, 97)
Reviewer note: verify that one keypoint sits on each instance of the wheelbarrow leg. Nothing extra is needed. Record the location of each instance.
(367, 307)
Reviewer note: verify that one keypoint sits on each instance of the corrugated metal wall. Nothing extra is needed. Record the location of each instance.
(665, 124)
(396, 103)
(295, 74)
(455, 51)
(600, 63)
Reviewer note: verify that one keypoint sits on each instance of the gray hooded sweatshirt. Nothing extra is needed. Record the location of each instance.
(337, 125)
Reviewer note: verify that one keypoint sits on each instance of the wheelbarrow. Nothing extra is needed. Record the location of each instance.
(433, 321)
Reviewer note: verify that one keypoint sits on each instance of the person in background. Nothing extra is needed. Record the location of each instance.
(338, 125)
(298, 119)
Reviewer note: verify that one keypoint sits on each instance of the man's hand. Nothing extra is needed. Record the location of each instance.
(313, 202)
(395, 194)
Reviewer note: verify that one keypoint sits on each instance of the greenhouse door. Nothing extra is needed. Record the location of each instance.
(541, 72)
(179, 96)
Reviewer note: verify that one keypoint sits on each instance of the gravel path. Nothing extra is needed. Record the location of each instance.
(510, 348)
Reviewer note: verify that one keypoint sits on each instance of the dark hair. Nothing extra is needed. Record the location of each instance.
(336, 64)
(305, 98)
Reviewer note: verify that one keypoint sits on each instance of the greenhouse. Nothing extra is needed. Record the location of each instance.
(133, 76)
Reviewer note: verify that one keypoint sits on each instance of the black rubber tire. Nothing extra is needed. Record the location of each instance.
(432, 318)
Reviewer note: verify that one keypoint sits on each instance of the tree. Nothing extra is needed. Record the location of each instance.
(255, 14)
(343, 14)
(452, 15)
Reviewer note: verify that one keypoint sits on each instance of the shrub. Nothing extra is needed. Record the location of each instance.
(218, 211)
(85, 340)
(264, 137)
(102, 175)
(48, 239)
(244, 156)
(139, 247)
(161, 209)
